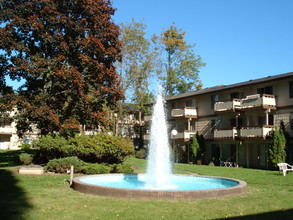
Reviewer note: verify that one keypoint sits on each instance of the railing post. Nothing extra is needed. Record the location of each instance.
(71, 174)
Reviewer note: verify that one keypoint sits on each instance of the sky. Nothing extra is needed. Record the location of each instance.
(239, 40)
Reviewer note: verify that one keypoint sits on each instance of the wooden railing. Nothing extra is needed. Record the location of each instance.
(187, 112)
(251, 101)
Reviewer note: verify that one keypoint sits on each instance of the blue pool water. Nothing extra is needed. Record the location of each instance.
(178, 182)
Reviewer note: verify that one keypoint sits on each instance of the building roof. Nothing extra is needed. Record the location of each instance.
(232, 86)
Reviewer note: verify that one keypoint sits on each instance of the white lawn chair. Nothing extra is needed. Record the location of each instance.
(285, 168)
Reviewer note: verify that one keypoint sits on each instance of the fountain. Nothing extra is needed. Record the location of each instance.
(159, 163)
(158, 182)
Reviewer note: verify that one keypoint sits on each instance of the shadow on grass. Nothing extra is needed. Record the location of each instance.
(282, 214)
(10, 158)
(13, 200)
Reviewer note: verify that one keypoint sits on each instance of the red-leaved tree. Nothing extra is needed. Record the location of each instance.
(65, 51)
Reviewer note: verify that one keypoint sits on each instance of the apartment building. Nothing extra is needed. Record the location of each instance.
(9, 138)
(235, 120)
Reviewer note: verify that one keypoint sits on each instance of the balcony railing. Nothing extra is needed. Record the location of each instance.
(251, 101)
(7, 130)
(185, 135)
(147, 118)
(146, 137)
(257, 100)
(243, 132)
(230, 133)
(256, 132)
(187, 112)
(229, 105)
(4, 145)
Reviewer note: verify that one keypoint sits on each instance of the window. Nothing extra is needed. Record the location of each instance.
(233, 153)
(215, 123)
(174, 105)
(271, 119)
(214, 99)
(265, 90)
(291, 89)
(188, 103)
(235, 95)
(262, 120)
(233, 122)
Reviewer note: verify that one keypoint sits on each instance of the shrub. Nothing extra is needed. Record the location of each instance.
(122, 168)
(53, 147)
(140, 154)
(25, 158)
(95, 168)
(101, 148)
(63, 164)
(25, 146)
(86, 148)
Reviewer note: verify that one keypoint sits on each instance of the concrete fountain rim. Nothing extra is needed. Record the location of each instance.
(86, 188)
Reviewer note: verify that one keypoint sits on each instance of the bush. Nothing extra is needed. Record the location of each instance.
(25, 158)
(95, 168)
(87, 148)
(101, 148)
(141, 154)
(63, 164)
(25, 146)
(53, 147)
(122, 168)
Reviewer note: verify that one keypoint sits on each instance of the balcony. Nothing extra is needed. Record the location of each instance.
(185, 135)
(4, 145)
(146, 137)
(259, 101)
(147, 118)
(256, 132)
(7, 130)
(255, 101)
(225, 134)
(187, 112)
(229, 105)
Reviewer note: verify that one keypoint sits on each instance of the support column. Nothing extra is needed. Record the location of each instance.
(267, 116)
(188, 126)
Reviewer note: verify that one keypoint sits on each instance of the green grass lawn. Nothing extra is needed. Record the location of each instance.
(269, 196)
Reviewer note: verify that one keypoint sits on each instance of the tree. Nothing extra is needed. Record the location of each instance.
(276, 151)
(181, 63)
(287, 138)
(7, 96)
(198, 147)
(65, 51)
(138, 64)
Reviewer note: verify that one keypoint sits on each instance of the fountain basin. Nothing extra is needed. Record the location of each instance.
(183, 187)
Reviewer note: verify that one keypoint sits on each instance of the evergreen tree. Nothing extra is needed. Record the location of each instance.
(197, 147)
(276, 151)
(287, 137)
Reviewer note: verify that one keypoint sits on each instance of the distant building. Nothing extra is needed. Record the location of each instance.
(9, 138)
